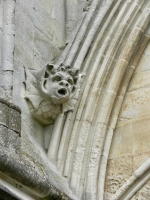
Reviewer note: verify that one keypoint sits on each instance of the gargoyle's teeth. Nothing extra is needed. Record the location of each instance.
(62, 92)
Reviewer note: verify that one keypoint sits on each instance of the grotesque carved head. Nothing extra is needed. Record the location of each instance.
(51, 91)
(58, 84)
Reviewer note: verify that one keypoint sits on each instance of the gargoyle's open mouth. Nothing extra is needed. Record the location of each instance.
(62, 92)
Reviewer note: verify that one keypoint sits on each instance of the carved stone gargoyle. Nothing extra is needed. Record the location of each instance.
(51, 91)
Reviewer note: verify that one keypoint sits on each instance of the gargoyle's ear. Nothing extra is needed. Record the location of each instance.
(49, 67)
(63, 67)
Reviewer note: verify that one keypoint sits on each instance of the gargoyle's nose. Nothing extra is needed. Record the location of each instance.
(63, 83)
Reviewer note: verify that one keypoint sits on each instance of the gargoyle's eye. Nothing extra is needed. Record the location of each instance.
(57, 78)
(70, 81)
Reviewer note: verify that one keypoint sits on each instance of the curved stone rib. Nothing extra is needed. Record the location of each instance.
(90, 107)
(127, 53)
(84, 96)
(80, 111)
(106, 5)
(87, 130)
(115, 113)
(134, 183)
(79, 37)
(110, 17)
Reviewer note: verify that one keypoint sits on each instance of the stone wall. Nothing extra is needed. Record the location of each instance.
(131, 142)
(32, 34)
(96, 146)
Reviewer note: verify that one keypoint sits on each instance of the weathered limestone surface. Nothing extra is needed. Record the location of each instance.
(97, 147)
(131, 141)
(144, 193)
(32, 34)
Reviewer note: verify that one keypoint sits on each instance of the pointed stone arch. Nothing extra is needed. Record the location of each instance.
(107, 47)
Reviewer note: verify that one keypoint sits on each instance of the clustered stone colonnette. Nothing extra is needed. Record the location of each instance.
(75, 139)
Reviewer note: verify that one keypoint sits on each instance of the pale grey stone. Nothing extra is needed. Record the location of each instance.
(44, 46)
(48, 89)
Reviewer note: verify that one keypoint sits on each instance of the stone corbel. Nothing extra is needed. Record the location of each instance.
(51, 91)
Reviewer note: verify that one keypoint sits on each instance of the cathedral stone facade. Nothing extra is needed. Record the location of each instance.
(74, 99)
